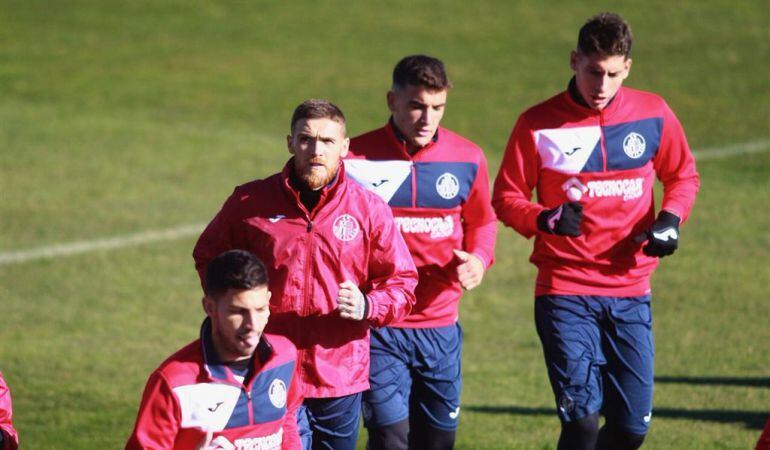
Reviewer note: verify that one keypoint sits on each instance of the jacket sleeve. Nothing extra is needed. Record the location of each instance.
(10, 436)
(157, 422)
(215, 239)
(479, 221)
(675, 167)
(392, 274)
(517, 177)
(294, 398)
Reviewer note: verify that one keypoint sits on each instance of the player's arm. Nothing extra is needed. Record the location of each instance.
(479, 231)
(392, 274)
(9, 438)
(516, 179)
(215, 239)
(291, 439)
(157, 422)
(674, 166)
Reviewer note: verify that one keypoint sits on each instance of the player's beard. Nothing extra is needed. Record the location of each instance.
(315, 177)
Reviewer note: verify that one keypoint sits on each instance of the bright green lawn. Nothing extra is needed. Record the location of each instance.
(120, 117)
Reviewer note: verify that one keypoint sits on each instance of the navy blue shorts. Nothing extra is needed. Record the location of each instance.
(329, 423)
(414, 370)
(599, 353)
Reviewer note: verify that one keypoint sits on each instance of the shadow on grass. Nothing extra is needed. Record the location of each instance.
(709, 381)
(751, 419)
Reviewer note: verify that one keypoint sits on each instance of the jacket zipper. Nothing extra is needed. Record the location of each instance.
(414, 186)
(305, 307)
(604, 146)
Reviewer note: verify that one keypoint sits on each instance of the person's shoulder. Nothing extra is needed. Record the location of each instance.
(257, 185)
(372, 206)
(646, 99)
(362, 145)
(456, 138)
(546, 107)
(375, 134)
(182, 366)
(281, 345)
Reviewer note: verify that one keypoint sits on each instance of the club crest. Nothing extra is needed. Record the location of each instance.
(277, 393)
(447, 186)
(346, 227)
(634, 145)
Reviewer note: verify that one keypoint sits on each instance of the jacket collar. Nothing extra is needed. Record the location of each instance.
(399, 138)
(577, 100)
(218, 370)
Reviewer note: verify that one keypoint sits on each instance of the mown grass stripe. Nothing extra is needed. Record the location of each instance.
(184, 231)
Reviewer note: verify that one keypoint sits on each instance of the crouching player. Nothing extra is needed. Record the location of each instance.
(232, 388)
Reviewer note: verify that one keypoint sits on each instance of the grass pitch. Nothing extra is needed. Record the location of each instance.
(121, 117)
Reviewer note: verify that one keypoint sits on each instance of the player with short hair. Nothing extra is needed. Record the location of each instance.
(9, 438)
(235, 386)
(437, 184)
(337, 263)
(592, 153)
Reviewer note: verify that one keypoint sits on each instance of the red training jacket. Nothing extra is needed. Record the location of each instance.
(192, 391)
(11, 437)
(349, 235)
(611, 157)
(440, 200)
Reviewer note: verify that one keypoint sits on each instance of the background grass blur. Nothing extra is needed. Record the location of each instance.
(119, 117)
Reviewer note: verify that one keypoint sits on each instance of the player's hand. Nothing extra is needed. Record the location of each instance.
(563, 220)
(663, 235)
(351, 301)
(206, 442)
(470, 271)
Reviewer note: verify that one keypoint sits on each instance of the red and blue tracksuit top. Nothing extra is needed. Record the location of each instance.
(613, 157)
(349, 235)
(440, 200)
(11, 438)
(192, 391)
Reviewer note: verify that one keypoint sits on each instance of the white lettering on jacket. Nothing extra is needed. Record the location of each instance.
(271, 442)
(438, 227)
(628, 188)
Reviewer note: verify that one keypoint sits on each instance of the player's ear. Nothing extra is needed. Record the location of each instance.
(628, 66)
(345, 147)
(390, 97)
(573, 57)
(208, 304)
(288, 144)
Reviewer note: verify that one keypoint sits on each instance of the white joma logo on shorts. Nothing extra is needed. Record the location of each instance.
(453, 415)
(648, 417)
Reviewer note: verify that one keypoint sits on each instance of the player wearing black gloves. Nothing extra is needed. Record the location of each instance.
(563, 220)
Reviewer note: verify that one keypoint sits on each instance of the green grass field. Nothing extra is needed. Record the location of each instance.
(117, 118)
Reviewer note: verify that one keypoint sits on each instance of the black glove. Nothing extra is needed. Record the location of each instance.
(563, 220)
(663, 235)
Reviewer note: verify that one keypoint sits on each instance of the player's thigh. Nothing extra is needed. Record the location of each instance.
(437, 376)
(387, 400)
(629, 347)
(334, 421)
(569, 331)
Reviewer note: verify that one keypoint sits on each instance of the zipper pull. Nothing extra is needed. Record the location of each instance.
(310, 226)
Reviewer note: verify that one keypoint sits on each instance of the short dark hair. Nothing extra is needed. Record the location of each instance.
(315, 108)
(605, 34)
(421, 70)
(234, 269)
